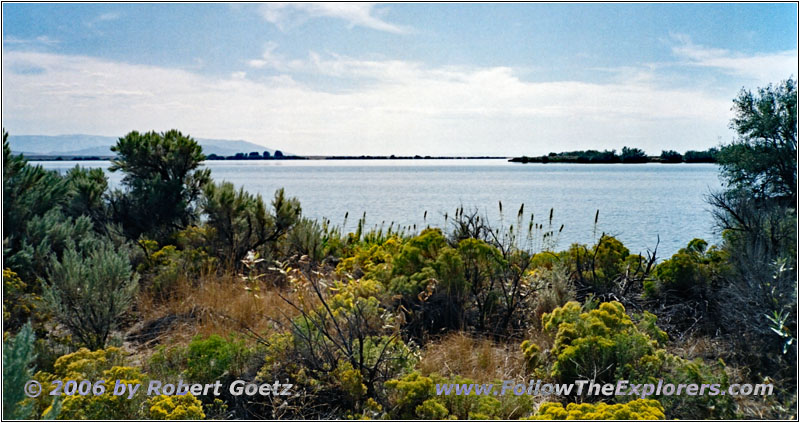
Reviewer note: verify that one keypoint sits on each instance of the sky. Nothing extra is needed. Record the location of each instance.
(363, 78)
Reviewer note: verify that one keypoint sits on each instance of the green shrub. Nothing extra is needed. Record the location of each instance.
(606, 345)
(640, 409)
(601, 266)
(17, 358)
(688, 273)
(413, 397)
(163, 267)
(600, 344)
(240, 221)
(88, 292)
(208, 359)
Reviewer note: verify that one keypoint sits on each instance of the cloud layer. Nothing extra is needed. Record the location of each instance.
(289, 15)
(403, 107)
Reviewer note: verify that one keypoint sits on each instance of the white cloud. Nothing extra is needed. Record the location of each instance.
(761, 67)
(110, 16)
(406, 108)
(289, 15)
(42, 40)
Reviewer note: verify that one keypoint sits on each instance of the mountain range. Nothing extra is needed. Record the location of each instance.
(98, 145)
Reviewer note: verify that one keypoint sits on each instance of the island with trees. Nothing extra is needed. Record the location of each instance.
(628, 155)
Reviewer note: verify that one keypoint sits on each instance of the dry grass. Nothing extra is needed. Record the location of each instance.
(214, 305)
(477, 359)
(703, 347)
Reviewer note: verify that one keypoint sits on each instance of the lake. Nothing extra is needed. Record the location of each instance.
(637, 203)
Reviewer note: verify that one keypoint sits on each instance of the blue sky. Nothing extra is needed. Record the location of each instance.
(395, 78)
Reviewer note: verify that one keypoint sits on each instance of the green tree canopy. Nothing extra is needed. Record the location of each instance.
(763, 159)
(162, 182)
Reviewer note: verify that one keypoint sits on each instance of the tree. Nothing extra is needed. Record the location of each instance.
(758, 214)
(671, 156)
(763, 159)
(254, 155)
(705, 156)
(633, 155)
(162, 182)
(267, 155)
(278, 154)
(88, 291)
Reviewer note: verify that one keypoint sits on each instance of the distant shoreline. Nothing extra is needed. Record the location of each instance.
(51, 158)
(523, 160)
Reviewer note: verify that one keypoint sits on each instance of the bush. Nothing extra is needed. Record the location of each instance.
(86, 195)
(414, 397)
(342, 346)
(19, 304)
(88, 292)
(601, 344)
(689, 273)
(606, 345)
(599, 268)
(44, 238)
(17, 358)
(28, 191)
(210, 358)
(240, 222)
(163, 267)
(176, 407)
(640, 409)
(93, 366)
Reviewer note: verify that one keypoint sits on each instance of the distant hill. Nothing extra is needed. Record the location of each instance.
(98, 145)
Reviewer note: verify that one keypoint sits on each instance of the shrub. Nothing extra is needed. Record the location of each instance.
(176, 407)
(19, 304)
(640, 409)
(599, 267)
(163, 267)
(606, 345)
(93, 366)
(107, 406)
(28, 191)
(240, 222)
(689, 272)
(596, 344)
(409, 393)
(89, 292)
(86, 191)
(209, 359)
(413, 397)
(44, 238)
(17, 358)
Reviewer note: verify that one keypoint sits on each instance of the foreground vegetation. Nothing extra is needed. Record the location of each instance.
(177, 277)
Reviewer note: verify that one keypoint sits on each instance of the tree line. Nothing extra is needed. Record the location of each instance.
(628, 155)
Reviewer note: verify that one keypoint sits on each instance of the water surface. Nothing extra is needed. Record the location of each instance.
(638, 203)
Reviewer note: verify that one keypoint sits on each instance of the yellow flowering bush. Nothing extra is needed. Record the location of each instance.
(640, 409)
(175, 407)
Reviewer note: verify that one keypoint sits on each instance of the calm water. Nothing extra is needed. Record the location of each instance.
(638, 203)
